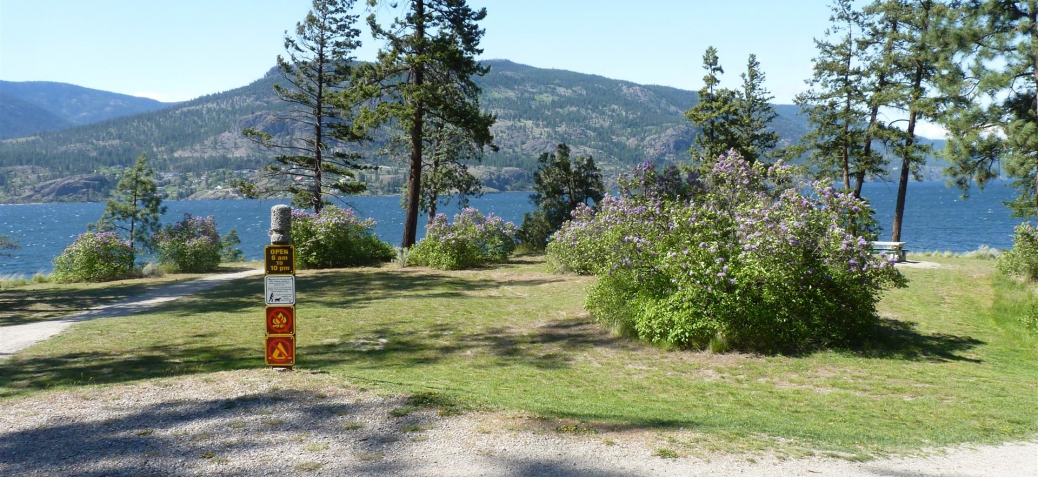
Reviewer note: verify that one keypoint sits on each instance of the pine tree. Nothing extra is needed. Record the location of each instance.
(426, 71)
(730, 119)
(919, 45)
(7, 243)
(713, 113)
(753, 114)
(136, 207)
(841, 105)
(993, 124)
(317, 69)
(560, 185)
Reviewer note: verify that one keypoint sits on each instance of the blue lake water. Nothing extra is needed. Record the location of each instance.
(936, 218)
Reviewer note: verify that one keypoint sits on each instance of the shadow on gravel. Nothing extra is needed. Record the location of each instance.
(281, 432)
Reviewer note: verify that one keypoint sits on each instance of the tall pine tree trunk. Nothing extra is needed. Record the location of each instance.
(414, 182)
(906, 163)
(316, 201)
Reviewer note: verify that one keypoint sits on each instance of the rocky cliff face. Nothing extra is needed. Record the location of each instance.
(79, 188)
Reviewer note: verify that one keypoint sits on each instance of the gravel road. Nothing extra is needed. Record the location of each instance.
(264, 423)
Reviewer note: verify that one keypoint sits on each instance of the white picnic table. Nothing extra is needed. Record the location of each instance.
(894, 247)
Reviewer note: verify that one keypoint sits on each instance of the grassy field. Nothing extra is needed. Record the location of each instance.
(953, 366)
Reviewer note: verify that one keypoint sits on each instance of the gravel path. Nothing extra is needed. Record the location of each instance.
(260, 422)
(14, 338)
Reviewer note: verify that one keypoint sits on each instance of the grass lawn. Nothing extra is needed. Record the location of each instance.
(954, 365)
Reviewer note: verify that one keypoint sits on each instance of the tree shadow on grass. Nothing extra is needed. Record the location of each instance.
(23, 305)
(19, 375)
(551, 346)
(894, 339)
(345, 288)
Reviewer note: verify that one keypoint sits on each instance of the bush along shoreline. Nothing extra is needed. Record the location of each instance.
(735, 258)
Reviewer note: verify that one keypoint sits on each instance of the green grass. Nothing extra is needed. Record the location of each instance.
(952, 365)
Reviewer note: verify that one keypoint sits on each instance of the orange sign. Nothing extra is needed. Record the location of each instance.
(281, 350)
(281, 320)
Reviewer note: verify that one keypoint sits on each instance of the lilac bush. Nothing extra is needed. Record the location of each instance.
(471, 241)
(191, 245)
(336, 238)
(95, 257)
(738, 258)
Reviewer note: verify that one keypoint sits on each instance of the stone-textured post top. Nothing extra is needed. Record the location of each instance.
(281, 224)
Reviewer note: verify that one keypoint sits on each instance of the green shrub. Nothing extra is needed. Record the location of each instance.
(95, 257)
(1022, 259)
(334, 238)
(191, 245)
(471, 241)
(737, 259)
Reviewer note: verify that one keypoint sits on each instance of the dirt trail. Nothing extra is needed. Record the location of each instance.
(17, 337)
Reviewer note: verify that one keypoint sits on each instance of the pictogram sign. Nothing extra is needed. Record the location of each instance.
(279, 260)
(281, 350)
(279, 290)
(281, 320)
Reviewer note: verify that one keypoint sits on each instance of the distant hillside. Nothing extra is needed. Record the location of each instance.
(618, 122)
(48, 106)
(21, 118)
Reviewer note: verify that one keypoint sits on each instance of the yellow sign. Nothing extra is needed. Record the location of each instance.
(279, 260)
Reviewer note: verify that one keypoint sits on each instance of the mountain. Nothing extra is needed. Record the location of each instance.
(618, 122)
(21, 118)
(31, 107)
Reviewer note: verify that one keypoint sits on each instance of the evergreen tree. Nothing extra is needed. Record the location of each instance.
(753, 114)
(919, 45)
(730, 119)
(136, 207)
(446, 174)
(842, 105)
(713, 114)
(560, 185)
(7, 243)
(426, 71)
(993, 124)
(318, 69)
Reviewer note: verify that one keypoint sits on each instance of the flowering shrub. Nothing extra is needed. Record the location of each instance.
(191, 245)
(739, 258)
(1022, 259)
(471, 241)
(95, 257)
(335, 238)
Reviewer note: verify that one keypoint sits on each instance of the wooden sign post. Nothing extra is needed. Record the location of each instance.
(279, 290)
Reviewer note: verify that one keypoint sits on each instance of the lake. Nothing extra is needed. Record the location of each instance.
(936, 218)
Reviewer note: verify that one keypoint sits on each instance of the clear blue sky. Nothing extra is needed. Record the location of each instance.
(181, 49)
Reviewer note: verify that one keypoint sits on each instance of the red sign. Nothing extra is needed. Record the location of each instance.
(281, 320)
(281, 350)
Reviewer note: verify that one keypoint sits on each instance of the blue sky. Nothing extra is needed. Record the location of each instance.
(182, 49)
(177, 50)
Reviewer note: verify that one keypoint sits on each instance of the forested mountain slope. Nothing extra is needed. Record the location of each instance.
(31, 107)
(618, 122)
